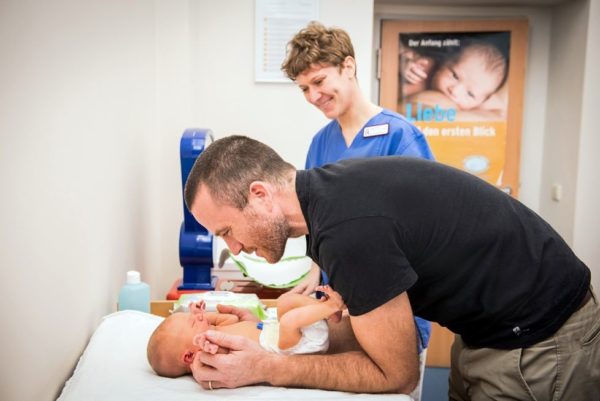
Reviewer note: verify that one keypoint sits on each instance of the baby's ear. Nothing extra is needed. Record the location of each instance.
(188, 357)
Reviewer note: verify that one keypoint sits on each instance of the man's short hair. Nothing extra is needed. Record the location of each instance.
(229, 165)
(319, 45)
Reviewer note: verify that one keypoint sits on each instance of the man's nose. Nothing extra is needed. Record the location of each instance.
(234, 246)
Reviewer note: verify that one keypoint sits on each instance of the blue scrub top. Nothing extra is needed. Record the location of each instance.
(386, 134)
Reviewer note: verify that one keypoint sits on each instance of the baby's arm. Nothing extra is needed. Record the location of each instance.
(215, 319)
(291, 322)
(246, 329)
(414, 70)
(221, 319)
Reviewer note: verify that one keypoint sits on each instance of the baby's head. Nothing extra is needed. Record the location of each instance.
(472, 76)
(171, 348)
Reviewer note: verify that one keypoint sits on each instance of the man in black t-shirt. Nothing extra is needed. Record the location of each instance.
(397, 235)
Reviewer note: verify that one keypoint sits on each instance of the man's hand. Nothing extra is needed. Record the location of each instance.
(242, 366)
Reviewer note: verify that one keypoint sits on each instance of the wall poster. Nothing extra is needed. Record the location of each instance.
(457, 82)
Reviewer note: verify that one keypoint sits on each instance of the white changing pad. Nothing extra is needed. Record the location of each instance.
(113, 367)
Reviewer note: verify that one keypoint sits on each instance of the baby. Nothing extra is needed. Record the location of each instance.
(468, 78)
(301, 329)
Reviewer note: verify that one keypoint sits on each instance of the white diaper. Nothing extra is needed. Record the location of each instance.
(315, 339)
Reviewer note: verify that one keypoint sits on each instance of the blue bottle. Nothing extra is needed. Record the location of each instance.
(135, 294)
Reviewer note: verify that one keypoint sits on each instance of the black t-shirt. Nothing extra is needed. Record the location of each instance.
(470, 257)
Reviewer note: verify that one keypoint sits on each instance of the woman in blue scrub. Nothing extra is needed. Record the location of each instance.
(321, 62)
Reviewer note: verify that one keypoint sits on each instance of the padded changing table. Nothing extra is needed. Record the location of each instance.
(113, 367)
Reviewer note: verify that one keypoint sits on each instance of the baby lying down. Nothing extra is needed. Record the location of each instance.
(301, 329)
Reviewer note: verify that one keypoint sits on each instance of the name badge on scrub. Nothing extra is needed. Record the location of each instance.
(376, 130)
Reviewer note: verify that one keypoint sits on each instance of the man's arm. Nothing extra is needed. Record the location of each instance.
(388, 361)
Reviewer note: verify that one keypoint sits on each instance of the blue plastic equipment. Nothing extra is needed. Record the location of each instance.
(195, 242)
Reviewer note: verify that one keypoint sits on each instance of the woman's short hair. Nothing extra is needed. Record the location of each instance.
(319, 45)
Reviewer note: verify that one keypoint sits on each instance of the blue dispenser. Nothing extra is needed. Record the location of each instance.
(195, 242)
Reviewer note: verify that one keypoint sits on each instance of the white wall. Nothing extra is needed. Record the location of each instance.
(587, 199)
(77, 107)
(570, 152)
(563, 114)
(174, 114)
(227, 99)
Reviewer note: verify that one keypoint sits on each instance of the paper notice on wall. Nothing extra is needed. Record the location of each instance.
(277, 21)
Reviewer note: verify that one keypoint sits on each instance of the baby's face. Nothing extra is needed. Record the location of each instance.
(466, 82)
(184, 327)
(187, 325)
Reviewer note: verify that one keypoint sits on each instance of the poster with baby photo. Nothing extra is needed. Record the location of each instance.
(452, 85)
(461, 84)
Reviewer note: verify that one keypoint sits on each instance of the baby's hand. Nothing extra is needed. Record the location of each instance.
(416, 70)
(201, 342)
(197, 308)
(414, 67)
(335, 300)
(331, 297)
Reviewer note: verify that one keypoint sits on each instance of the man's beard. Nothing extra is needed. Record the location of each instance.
(271, 235)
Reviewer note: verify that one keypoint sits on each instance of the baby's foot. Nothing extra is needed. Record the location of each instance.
(205, 345)
(199, 340)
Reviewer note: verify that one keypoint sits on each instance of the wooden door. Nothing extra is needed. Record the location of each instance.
(484, 140)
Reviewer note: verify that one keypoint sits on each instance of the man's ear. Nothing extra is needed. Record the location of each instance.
(260, 193)
(188, 357)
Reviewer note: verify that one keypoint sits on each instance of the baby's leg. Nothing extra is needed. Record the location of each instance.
(335, 299)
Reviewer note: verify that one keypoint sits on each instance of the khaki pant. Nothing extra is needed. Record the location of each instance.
(565, 366)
